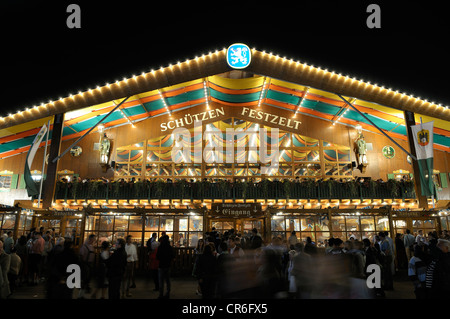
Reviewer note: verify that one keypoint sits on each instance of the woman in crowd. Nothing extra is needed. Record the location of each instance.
(206, 272)
(198, 251)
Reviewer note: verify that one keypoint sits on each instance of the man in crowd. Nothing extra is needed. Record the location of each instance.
(37, 248)
(386, 249)
(9, 242)
(132, 258)
(438, 272)
(87, 260)
(408, 241)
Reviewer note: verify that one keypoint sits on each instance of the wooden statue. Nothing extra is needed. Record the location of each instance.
(105, 147)
(362, 150)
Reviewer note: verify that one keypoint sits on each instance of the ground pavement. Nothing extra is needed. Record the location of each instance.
(185, 288)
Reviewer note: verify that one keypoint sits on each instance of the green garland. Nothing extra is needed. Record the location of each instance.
(287, 186)
(91, 189)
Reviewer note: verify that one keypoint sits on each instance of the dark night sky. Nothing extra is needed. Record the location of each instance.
(42, 59)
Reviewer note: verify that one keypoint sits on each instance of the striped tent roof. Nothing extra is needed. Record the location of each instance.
(299, 98)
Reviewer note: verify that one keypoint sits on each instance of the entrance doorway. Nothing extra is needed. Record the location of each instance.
(66, 226)
(414, 224)
(242, 226)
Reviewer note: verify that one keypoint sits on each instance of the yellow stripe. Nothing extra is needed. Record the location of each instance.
(237, 84)
(445, 125)
(25, 126)
(288, 85)
(384, 109)
(327, 95)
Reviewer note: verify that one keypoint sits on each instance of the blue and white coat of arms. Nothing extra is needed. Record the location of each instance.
(238, 56)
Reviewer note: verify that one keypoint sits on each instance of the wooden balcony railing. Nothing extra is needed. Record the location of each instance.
(286, 189)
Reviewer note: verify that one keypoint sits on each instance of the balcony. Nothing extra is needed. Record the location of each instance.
(225, 190)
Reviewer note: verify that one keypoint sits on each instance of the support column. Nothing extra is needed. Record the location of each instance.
(82, 227)
(16, 225)
(267, 236)
(409, 121)
(330, 224)
(52, 167)
(322, 159)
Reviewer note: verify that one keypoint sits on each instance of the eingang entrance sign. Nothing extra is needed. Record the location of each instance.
(236, 209)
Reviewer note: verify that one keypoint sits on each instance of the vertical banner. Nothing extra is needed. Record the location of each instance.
(32, 188)
(423, 143)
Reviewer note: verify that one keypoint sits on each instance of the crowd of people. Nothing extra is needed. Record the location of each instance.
(296, 269)
(227, 266)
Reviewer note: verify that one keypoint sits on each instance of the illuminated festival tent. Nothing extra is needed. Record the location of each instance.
(306, 100)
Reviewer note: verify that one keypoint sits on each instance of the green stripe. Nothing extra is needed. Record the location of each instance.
(283, 97)
(241, 98)
(444, 182)
(426, 176)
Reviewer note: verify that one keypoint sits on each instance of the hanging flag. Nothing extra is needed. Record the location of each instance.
(32, 187)
(423, 143)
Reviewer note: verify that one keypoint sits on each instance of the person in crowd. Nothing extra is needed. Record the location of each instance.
(151, 240)
(132, 258)
(393, 250)
(3, 236)
(402, 261)
(48, 246)
(215, 237)
(370, 253)
(408, 242)
(222, 266)
(87, 260)
(372, 258)
(329, 245)
(358, 260)
(233, 249)
(58, 261)
(445, 234)
(30, 235)
(102, 281)
(270, 274)
(432, 248)
(5, 260)
(116, 265)
(437, 279)
(417, 269)
(198, 251)
(153, 263)
(337, 247)
(255, 239)
(165, 255)
(37, 248)
(14, 269)
(348, 245)
(292, 288)
(206, 272)
(59, 245)
(301, 272)
(310, 247)
(8, 242)
(22, 252)
(387, 253)
(420, 238)
(292, 240)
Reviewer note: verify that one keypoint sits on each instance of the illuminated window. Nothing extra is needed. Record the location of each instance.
(242, 151)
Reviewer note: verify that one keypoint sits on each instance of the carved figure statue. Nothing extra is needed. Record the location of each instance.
(105, 145)
(362, 149)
